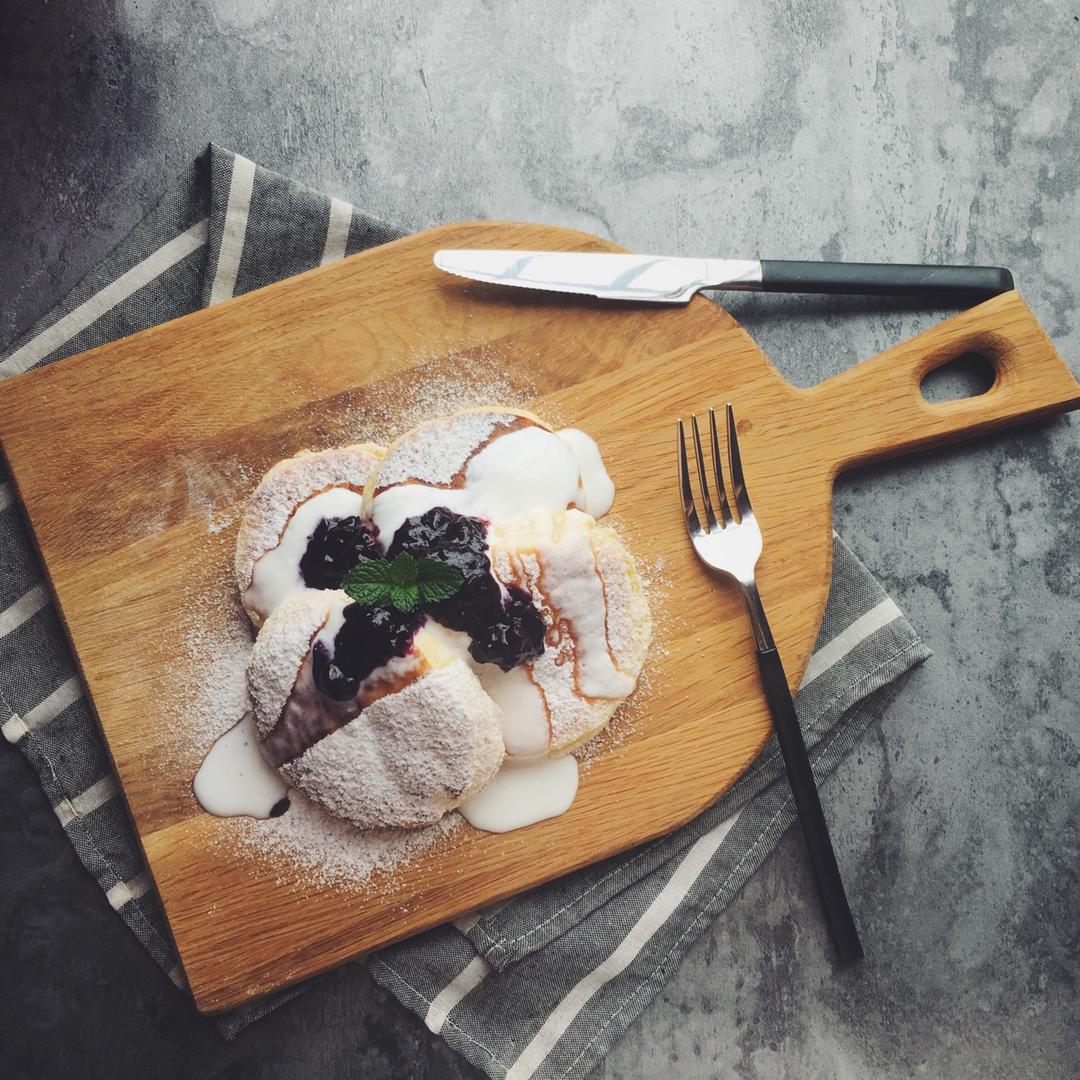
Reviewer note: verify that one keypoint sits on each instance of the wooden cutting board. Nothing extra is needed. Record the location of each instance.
(128, 457)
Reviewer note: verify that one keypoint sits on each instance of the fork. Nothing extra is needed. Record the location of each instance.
(732, 547)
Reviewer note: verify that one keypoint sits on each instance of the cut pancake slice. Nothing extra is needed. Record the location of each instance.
(585, 583)
(417, 737)
(410, 757)
(491, 463)
(311, 497)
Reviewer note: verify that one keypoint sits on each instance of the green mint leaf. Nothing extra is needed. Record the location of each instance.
(402, 570)
(437, 580)
(369, 571)
(368, 595)
(404, 597)
(368, 582)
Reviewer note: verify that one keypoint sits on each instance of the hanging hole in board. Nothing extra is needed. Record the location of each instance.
(965, 376)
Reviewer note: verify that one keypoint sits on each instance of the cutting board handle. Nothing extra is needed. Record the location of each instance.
(883, 400)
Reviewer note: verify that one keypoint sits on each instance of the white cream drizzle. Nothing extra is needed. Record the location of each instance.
(522, 794)
(526, 731)
(277, 575)
(523, 471)
(573, 587)
(235, 779)
(335, 620)
(558, 549)
(595, 492)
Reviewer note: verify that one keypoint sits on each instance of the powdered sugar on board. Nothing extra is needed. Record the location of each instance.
(463, 381)
(328, 852)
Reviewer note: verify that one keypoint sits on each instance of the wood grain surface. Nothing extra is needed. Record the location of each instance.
(165, 432)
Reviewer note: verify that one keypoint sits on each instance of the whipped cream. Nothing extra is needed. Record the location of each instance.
(277, 575)
(523, 471)
(595, 492)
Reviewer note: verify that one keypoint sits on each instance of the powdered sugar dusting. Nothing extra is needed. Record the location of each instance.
(280, 649)
(436, 452)
(626, 723)
(213, 486)
(332, 853)
(215, 645)
(479, 378)
(628, 622)
(410, 757)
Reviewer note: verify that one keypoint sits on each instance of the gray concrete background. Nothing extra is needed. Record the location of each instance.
(852, 129)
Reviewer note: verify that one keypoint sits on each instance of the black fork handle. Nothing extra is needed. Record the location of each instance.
(812, 818)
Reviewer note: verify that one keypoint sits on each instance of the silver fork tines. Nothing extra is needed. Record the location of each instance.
(730, 546)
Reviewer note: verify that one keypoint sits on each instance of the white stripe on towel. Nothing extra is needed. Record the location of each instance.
(94, 796)
(468, 979)
(466, 922)
(67, 692)
(235, 229)
(30, 603)
(337, 231)
(123, 892)
(865, 625)
(6, 496)
(13, 729)
(116, 292)
(654, 917)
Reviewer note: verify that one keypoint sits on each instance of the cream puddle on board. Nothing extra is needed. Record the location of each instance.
(235, 779)
(523, 793)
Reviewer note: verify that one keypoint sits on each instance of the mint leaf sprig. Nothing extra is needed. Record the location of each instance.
(403, 581)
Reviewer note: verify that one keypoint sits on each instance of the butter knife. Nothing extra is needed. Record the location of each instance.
(670, 280)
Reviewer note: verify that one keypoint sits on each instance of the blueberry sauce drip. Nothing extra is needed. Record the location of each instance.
(335, 547)
(503, 629)
(516, 636)
(369, 638)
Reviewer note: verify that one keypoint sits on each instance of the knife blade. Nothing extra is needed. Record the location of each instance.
(674, 280)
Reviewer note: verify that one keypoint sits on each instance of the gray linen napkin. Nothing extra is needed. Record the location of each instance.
(543, 985)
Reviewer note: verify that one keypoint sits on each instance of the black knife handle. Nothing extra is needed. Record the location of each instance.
(885, 279)
(812, 818)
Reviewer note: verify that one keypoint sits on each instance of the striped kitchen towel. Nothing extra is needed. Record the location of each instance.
(542, 985)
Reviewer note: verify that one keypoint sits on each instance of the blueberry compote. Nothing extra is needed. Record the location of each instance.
(335, 547)
(368, 639)
(504, 630)
(516, 636)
